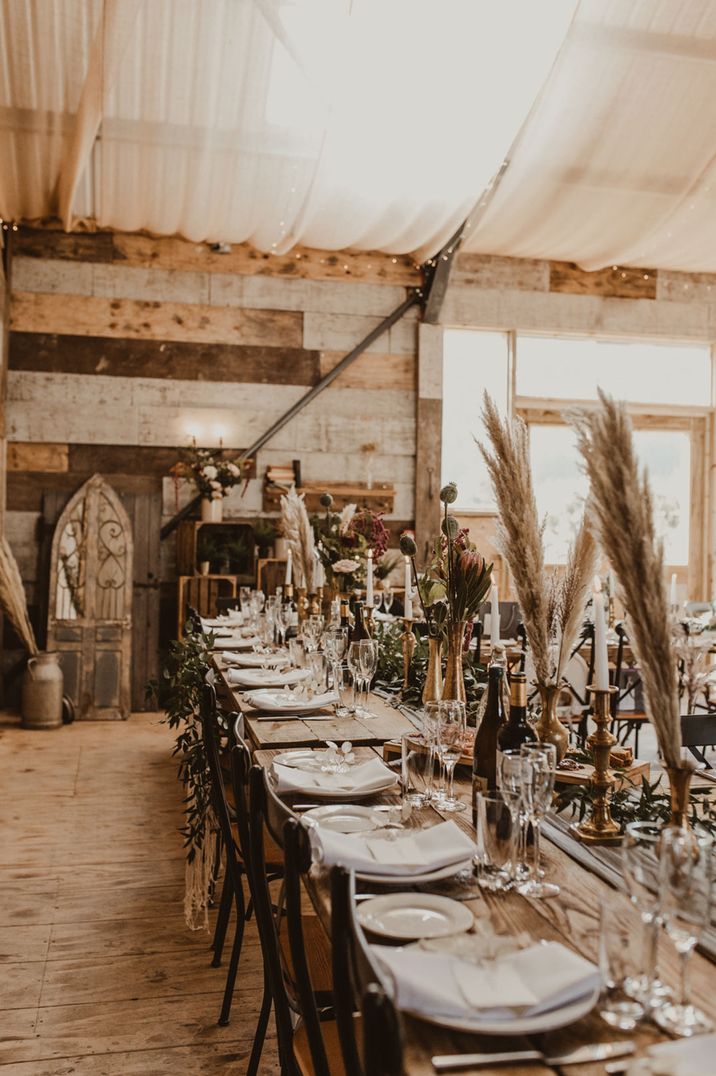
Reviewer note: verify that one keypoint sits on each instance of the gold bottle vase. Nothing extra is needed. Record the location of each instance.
(679, 782)
(454, 685)
(433, 686)
(549, 728)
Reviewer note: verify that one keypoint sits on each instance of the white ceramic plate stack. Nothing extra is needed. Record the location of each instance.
(407, 916)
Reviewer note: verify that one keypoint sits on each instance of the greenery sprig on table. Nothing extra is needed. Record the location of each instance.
(178, 692)
(646, 804)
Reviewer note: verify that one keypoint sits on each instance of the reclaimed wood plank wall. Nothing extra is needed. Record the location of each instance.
(120, 345)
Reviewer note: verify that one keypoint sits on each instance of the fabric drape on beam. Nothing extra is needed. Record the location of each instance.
(617, 164)
(372, 124)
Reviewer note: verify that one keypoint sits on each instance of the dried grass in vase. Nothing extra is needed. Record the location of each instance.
(12, 597)
(552, 606)
(298, 532)
(623, 518)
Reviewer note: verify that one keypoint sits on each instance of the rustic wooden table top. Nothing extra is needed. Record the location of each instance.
(572, 918)
(311, 731)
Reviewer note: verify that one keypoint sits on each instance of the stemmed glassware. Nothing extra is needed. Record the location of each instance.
(640, 862)
(431, 725)
(284, 620)
(368, 657)
(312, 631)
(335, 644)
(686, 869)
(451, 734)
(354, 666)
(509, 784)
(538, 770)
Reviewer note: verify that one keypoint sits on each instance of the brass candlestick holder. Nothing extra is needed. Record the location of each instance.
(600, 827)
(314, 605)
(301, 604)
(408, 641)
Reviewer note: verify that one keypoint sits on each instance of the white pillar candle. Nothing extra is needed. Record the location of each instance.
(289, 567)
(494, 616)
(408, 614)
(601, 656)
(369, 580)
(672, 600)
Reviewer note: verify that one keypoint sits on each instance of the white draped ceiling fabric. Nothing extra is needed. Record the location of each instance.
(617, 164)
(370, 124)
(366, 124)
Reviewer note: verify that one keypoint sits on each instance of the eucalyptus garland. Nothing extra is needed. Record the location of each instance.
(646, 804)
(178, 693)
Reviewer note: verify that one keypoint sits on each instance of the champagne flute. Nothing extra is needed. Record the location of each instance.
(368, 654)
(451, 732)
(539, 764)
(335, 643)
(686, 869)
(355, 668)
(284, 620)
(640, 861)
(431, 724)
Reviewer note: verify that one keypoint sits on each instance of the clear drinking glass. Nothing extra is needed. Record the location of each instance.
(284, 620)
(431, 725)
(451, 733)
(686, 870)
(640, 862)
(297, 653)
(244, 598)
(345, 688)
(509, 784)
(618, 968)
(495, 836)
(368, 656)
(415, 770)
(317, 664)
(539, 764)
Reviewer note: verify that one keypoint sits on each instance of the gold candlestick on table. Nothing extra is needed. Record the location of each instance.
(301, 604)
(600, 827)
(408, 641)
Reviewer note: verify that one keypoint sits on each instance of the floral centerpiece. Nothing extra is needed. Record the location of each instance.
(212, 473)
(343, 540)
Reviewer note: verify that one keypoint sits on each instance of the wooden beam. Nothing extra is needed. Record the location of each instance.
(437, 276)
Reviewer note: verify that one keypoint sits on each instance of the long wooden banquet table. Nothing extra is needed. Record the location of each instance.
(572, 918)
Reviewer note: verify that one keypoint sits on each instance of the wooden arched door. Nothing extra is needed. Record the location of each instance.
(90, 606)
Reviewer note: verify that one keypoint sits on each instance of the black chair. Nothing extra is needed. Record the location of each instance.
(268, 814)
(357, 984)
(626, 723)
(233, 889)
(699, 731)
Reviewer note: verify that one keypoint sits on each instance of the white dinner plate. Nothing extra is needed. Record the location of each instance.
(346, 818)
(520, 1025)
(339, 795)
(414, 915)
(415, 879)
(303, 758)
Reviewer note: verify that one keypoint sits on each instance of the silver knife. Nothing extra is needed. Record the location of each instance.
(598, 1052)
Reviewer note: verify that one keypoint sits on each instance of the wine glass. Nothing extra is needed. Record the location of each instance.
(335, 644)
(284, 620)
(387, 599)
(539, 761)
(317, 663)
(431, 724)
(354, 666)
(451, 732)
(509, 784)
(368, 655)
(640, 862)
(686, 868)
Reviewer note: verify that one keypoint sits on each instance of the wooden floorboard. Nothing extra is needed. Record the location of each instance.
(98, 972)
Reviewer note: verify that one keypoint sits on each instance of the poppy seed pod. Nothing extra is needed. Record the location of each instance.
(449, 527)
(326, 500)
(407, 545)
(448, 494)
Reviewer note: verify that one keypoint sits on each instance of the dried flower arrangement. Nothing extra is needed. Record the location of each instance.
(298, 532)
(212, 473)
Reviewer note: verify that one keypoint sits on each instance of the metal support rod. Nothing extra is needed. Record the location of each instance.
(415, 297)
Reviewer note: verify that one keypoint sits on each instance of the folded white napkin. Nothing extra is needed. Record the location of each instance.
(234, 642)
(685, 1057)
(255, 661)
(424, 850)
(274, 702)
(266, 677)
(534, 981)
(364, 777)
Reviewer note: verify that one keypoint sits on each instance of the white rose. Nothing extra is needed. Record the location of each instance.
(210, 471)
(234, 470)
(345, 566)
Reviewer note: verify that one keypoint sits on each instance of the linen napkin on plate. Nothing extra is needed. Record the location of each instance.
(254, 661)
(265, 677)
(364, 777)
(274, 702)
(415, 852)
(532, 981)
